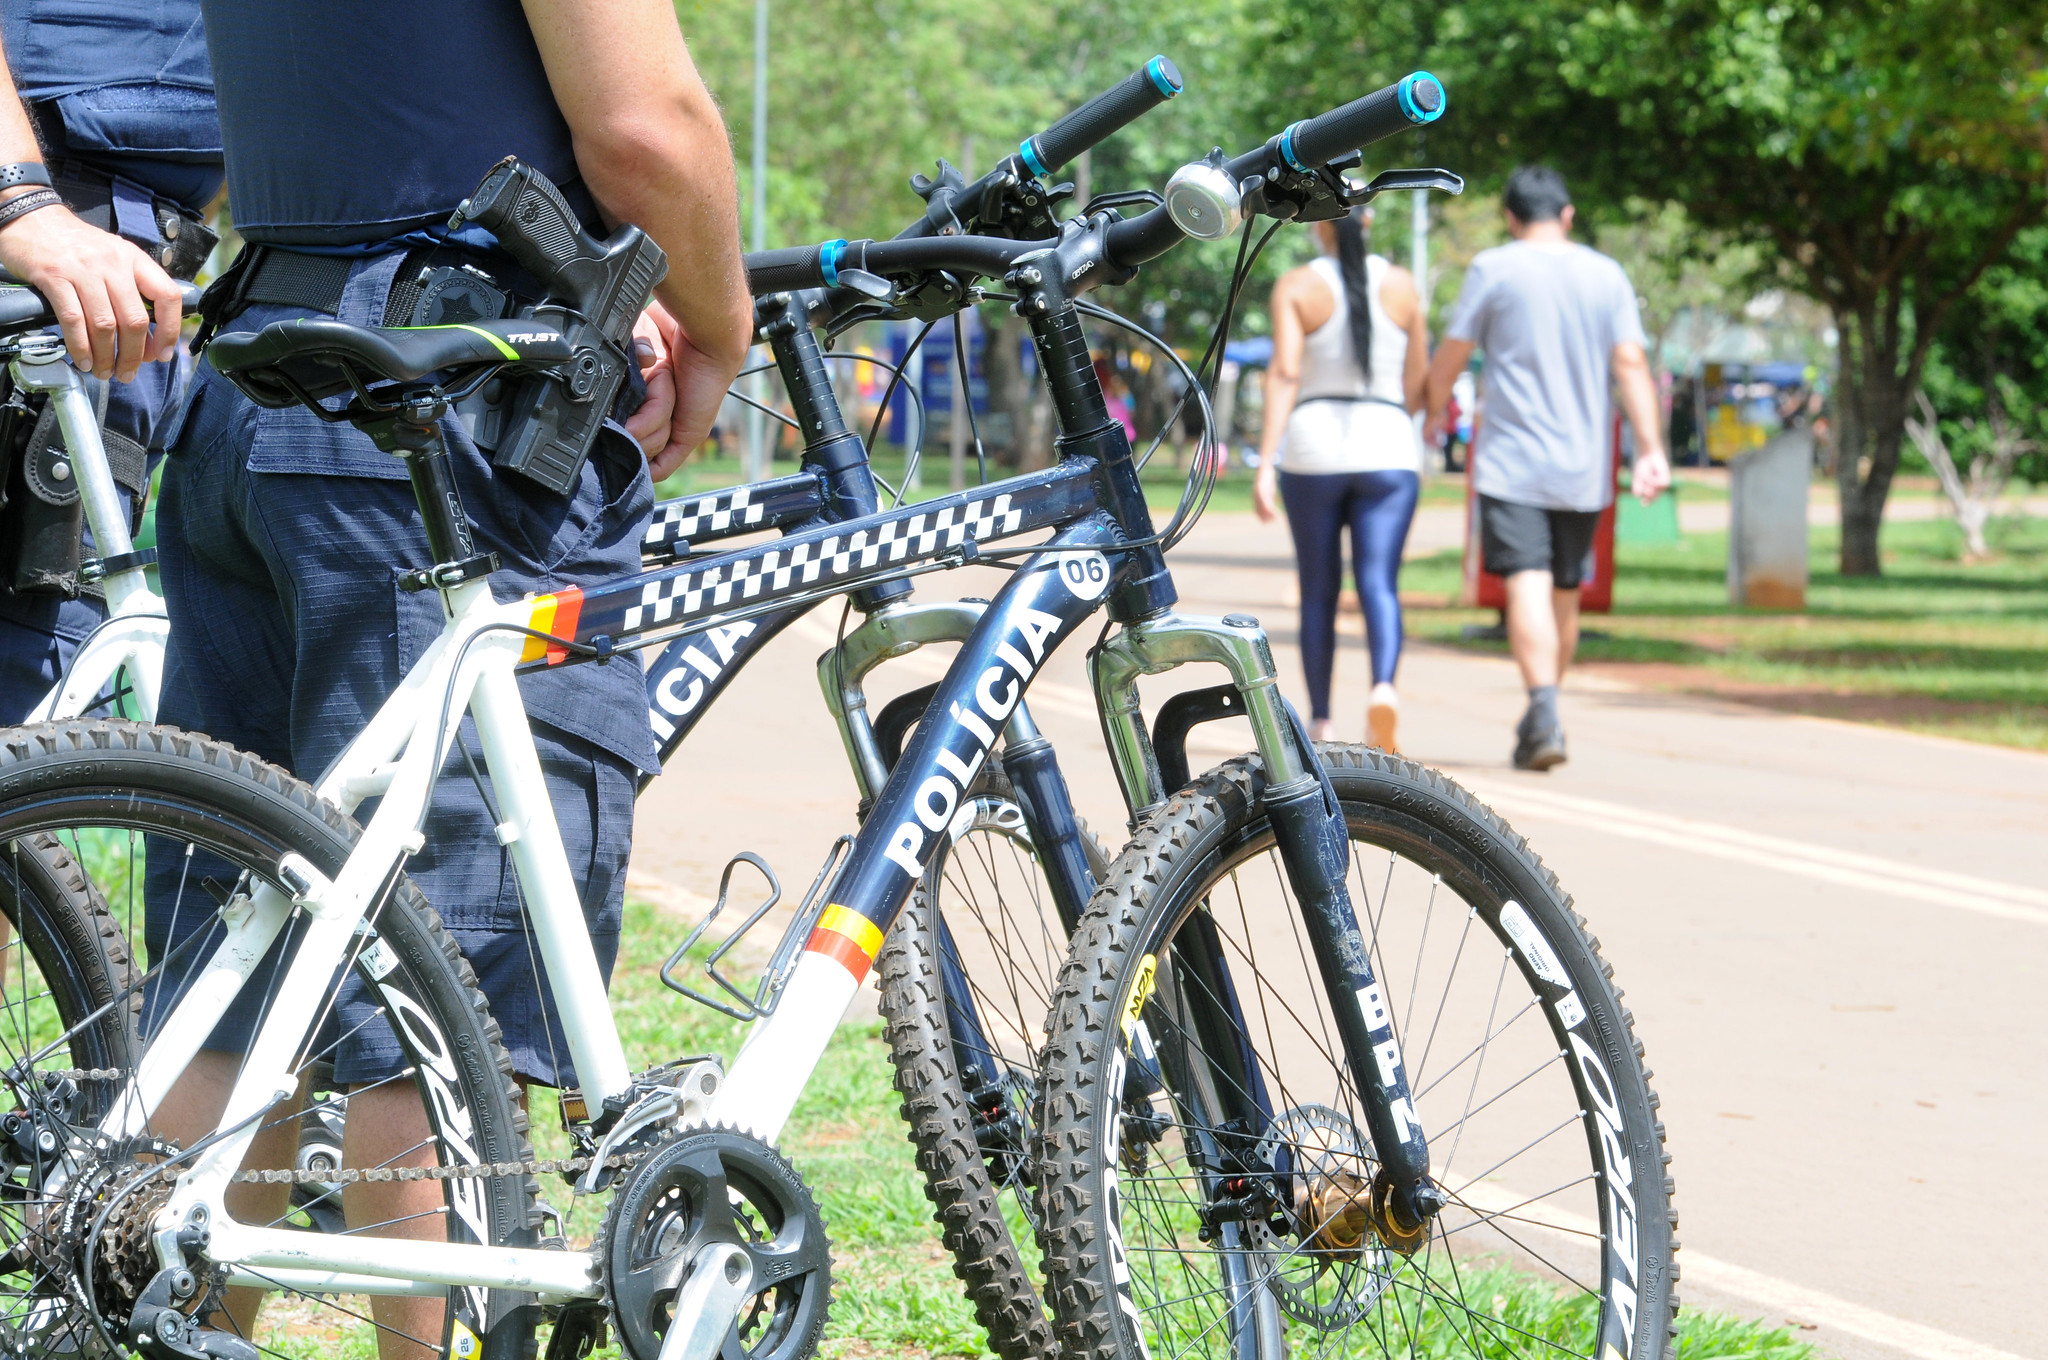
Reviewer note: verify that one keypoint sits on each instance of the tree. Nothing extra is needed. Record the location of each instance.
(1982, 416)
(1886, 152)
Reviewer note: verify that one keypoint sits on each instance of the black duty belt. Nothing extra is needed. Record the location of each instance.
(432, 285)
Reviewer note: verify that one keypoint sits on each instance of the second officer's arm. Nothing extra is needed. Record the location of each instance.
(652, 150)
(101, 287)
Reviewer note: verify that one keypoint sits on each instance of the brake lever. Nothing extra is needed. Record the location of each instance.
(1121, 198)
(1400, 181)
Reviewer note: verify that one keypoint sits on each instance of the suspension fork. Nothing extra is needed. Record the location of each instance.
(1314, 843)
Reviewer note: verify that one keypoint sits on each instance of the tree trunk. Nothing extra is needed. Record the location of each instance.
(1010, 391)
(1871, 426)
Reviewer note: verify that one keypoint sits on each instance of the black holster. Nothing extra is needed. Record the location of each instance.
(42, 516)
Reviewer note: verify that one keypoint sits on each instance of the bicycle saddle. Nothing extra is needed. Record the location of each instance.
(289, 361)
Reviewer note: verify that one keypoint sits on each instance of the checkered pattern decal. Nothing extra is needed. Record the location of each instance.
(690, 516)
(735, 510)
(689, 593)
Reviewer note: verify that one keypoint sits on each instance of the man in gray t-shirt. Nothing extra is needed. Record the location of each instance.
(1553, 319)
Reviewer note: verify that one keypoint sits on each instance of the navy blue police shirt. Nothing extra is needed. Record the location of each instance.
(359, 123)
(125, 89)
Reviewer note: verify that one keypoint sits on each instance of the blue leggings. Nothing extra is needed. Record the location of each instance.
(1378, 506)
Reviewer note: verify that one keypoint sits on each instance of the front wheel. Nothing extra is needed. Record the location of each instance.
(1195, 1212)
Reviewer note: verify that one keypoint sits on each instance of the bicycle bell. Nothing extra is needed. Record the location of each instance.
(1203, 201)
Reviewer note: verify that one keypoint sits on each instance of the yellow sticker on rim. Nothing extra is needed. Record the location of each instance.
(1148, 967)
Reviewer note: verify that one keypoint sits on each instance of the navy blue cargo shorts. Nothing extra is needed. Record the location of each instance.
(282, 540)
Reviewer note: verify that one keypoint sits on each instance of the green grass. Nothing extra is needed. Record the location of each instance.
(1933, 645)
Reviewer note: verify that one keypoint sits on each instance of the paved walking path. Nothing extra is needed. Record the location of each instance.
(1832, 937)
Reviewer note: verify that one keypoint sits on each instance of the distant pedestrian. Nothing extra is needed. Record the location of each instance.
(1554, 320)
(1349, 352)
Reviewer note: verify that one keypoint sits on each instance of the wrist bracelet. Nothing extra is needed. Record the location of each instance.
(27, 203)
(24, 172)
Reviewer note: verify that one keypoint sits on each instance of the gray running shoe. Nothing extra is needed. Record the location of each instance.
(1539, 750)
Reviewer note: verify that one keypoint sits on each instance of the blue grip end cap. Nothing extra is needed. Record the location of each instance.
(1287, 147)
(1165, 77)
(1029, 153)
(1422, 97)
(828, 261)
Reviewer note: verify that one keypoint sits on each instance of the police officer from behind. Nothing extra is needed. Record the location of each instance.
(108, 157)
(352, 133)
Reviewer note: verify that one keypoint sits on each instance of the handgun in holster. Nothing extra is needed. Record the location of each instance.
(594, 292)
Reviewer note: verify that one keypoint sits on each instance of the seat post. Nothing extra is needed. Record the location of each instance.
(412, 432)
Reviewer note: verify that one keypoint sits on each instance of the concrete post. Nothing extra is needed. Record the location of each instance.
(1767, 492)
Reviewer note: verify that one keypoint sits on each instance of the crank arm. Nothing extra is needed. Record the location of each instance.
(719, 1281)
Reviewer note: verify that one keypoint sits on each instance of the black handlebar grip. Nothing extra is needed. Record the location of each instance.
(1151, 85)
(1412, 101)
(778, 271)
(22, 307)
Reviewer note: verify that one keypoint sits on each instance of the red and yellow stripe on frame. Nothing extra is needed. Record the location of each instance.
(555, 615)
(847, 938)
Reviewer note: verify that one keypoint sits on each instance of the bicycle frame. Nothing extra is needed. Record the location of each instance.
(135, 631)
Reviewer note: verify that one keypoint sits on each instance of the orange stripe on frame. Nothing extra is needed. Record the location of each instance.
(568, 610)
(842, 951)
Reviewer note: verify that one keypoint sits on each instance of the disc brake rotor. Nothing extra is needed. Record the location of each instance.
(1334, 1271)
(706, 1186)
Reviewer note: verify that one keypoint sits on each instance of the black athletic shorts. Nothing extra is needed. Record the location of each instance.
(1516, 538)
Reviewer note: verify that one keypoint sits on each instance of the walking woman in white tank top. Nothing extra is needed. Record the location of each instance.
(1350, 350)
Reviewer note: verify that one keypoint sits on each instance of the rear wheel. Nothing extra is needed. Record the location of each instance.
(67, 1007)
(970, 1081)
(120, 800)
(1193, 1213)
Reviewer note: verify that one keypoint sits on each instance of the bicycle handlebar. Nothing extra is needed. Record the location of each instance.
(23, 308)
(1412, 101)
(1143, 90)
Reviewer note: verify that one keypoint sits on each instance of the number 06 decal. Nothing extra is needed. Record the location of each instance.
(1085, 574)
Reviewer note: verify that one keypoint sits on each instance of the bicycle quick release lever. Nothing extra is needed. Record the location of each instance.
(595, 290)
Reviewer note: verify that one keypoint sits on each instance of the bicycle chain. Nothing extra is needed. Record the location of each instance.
(79, 1073)
(350, 1175)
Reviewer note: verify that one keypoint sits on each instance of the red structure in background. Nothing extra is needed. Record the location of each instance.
(1487, 591)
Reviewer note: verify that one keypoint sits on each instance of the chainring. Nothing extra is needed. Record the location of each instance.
(703, 1186)
(1318, 1283)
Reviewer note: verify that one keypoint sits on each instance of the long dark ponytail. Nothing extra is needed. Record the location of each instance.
(1352, 243)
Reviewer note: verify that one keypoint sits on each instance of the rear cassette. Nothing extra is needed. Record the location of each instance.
(702, 1187)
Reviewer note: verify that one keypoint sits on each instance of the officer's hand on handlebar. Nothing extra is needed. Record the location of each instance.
(101, 288)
